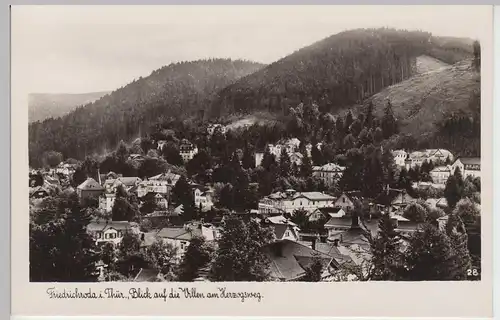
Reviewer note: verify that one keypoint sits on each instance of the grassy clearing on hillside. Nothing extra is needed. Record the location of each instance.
(425, 99)
(426, 64)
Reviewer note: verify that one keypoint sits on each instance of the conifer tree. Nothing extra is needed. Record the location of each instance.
(198, 255)
(306, 166)
(386, 251)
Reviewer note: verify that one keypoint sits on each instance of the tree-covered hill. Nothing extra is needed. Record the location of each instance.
(341, 70)
(176, 90)
(42, 106)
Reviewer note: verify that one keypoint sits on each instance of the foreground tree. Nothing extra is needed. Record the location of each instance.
(453, 191)
(162, 256)
(239, 255)
(314, 271)
(197, 256)
(61, 250)
(430, 256)
(386, 251)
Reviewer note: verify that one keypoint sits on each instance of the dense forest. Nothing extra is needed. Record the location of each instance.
(339, 71)
(179, 89)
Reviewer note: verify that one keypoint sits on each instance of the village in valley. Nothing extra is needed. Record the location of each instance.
(292, 211)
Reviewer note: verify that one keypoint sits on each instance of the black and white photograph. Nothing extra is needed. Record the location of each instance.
(322, 144)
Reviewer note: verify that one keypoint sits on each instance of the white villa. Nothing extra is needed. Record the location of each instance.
(203, 198)
(162, 183)
(399, 157)
(187, 150)
(441, 174)
(417, 158)
(468, 167)
(291, 200)
(110, 231)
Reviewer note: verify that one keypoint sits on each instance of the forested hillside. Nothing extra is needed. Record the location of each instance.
(178, 90)
(339, 71)
(42, 106)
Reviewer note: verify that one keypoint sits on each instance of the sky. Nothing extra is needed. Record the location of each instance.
(77, 49)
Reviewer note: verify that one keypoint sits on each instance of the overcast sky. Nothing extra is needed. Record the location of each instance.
(74, 49)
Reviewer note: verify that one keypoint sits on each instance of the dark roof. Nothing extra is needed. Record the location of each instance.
(470, 160)
(146, 275)
(289, 259)
(345, 221)
(104, 225)
(333, 251)
(90, 184)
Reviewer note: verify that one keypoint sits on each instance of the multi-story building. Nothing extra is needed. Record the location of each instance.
(291, 200)
(417, 158)
(441, 174)
(399, 157)
(187, 150)
(468, 167)
(329, 173)
(162, 183)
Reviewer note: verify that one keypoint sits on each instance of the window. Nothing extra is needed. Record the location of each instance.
(287, 233)
(343, 200)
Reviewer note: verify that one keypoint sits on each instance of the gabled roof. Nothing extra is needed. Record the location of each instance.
(442, 169)
(38, 189)
(105, 225)
(147, 275)
(334, 222)
(280, 220)
(314, 196)
(329, 167)
(90, 184)
(166, 176)
(289, 259)
(470, 160)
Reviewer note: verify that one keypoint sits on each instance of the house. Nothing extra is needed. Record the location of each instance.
(417, 158)
(127, 182)
(181, 237)
(162, 183)
(441, 174)
(335, 225)
(290, 200)
(66, 169)
(39, 192)
(158, 199)
(296, 158)
(290, 260)
(161, 144)
(399, 157)
(187, 150)
(326, 213)
(110, 231)
(107, 201)
(216, 127)
(468, 167)
(89, 189)
(203, 198)
(346, 201)
(329, 173)
(401, 201)
(283, 228)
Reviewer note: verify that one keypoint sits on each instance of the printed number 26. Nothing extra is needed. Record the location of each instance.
(472, 272)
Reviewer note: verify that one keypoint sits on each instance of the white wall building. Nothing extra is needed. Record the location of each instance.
(399, 157)
(290, 200)
(187, 150)
(441, 174)
(329, 173)
(110, 231)
(468, 167)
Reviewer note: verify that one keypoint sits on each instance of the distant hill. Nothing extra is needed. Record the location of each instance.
(341, 70)
(42, 106)
(177, 90)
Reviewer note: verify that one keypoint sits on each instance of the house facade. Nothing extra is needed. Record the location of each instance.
(181, 237)
(162, 183)
(187, 150)
(110, 231)
(89, 189)
(417, 158)
(468, 167)
(203, 198)
(328, 212)
(290, 200)
(329, 173)
(441, 174)
(399, 157)
(107, 201)
(344, 202)
(284, 229)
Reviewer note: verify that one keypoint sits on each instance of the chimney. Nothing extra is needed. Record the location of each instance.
(99, 176)
(336, 242)
(142, 236)
(313, 244)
